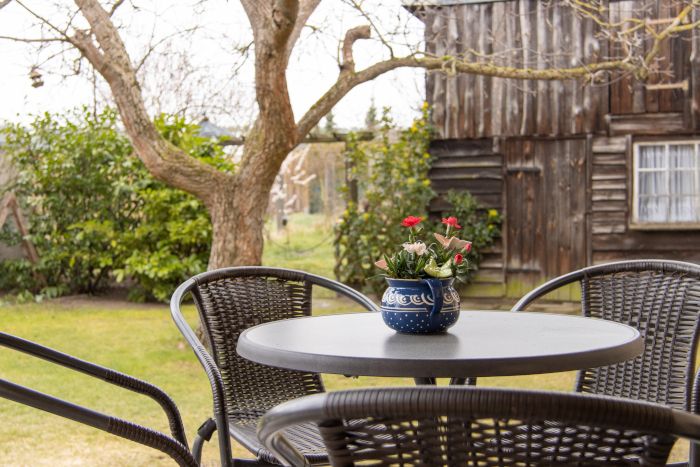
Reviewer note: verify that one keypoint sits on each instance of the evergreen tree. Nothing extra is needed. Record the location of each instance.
(330, 124)
(371, 119)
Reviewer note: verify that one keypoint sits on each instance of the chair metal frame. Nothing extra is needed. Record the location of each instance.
(454, 426)
(603, 296)
(194, 286)
(682, 280)
(176, 446)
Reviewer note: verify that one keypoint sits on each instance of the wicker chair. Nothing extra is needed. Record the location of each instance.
(176, 446)
(659, 298)
(662, 300)
(229, 302)
(458, 426)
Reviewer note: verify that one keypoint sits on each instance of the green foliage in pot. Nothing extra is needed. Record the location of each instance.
(419, 259)
(95, 212)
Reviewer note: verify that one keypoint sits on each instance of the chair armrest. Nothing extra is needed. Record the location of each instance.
(293, 412)
(105, 374)
(215, 380)
(547, 287)
(343, 289)
(122, 428)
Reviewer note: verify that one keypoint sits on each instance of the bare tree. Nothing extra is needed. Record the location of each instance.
(237, 202)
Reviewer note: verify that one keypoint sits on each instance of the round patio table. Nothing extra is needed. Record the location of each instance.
(482, 343)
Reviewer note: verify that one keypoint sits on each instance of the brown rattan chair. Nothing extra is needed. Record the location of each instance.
(229, 302)
(176, 446)
(659, 298)
(465, 426)
(662, 300)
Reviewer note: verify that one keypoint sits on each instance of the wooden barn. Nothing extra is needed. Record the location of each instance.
(584, 174)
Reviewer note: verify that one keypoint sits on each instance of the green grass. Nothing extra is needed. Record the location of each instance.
(287, 248)
(142, 341)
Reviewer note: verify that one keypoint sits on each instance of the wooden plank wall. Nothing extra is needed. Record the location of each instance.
(475, 166)
(510, 33)
(628, 96)
(546, 206)
(611, 205)
(535, 34)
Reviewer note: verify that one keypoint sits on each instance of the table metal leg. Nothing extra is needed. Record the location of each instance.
(453, 381)
(423, 381)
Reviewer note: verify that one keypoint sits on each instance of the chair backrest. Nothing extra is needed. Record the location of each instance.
(234, 299)
(451, 426)
(659, 298)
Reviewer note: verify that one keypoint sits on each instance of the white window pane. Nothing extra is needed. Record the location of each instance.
(652, 157)
(681, 209)
(652, 183)
(681, 155)
(682, 183)
(653, 209)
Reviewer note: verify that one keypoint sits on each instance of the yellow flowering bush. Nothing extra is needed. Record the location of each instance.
(392, 179)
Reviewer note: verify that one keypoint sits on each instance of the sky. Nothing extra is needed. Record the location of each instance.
(312, 70)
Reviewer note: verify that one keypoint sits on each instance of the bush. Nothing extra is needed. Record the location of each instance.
(392, 180)
(95, 212)
(393, 184)
(480, 226)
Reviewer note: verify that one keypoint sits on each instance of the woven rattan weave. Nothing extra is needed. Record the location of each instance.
(234, 299)
(659, 298)
(453, 426)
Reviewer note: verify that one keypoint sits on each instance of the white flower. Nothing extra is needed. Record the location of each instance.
(418, 248)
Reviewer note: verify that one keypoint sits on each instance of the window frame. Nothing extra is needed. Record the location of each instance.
(635, 223)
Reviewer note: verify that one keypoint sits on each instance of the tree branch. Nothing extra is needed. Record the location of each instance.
(4, 3)
(257, 11)
(166, 162)
(115, 6)
(284, 18)
(44, 20)
(306, 9)
(359, 8)
(359, 32)
(20, 39)
(673, 28)
(451, 65)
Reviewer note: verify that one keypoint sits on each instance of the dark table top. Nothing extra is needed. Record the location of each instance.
(482, 343)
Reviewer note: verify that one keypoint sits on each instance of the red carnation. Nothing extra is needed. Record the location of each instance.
(459, 258)
(411, 221)
(467, 248)
(452, 222)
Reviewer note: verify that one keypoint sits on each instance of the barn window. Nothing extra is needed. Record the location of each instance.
(667, 183)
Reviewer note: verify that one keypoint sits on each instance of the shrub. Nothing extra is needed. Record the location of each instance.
(95, 211)
(480, 225)
(392, 180)
(393, 184)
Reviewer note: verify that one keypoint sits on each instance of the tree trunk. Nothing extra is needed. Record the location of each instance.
(239, 207)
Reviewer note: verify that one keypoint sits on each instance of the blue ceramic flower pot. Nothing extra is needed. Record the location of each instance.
(414, 306)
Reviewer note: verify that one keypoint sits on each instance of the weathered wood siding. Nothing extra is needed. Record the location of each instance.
(610, 162)
(540, 35)
(475, 166)
(546, 204)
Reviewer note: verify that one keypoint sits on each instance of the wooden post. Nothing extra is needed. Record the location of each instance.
(349, 181)
(9, 202)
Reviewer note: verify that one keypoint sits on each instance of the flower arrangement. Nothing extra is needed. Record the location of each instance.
(417, 260)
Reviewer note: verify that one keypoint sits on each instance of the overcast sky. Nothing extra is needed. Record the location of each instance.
(312, 70)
